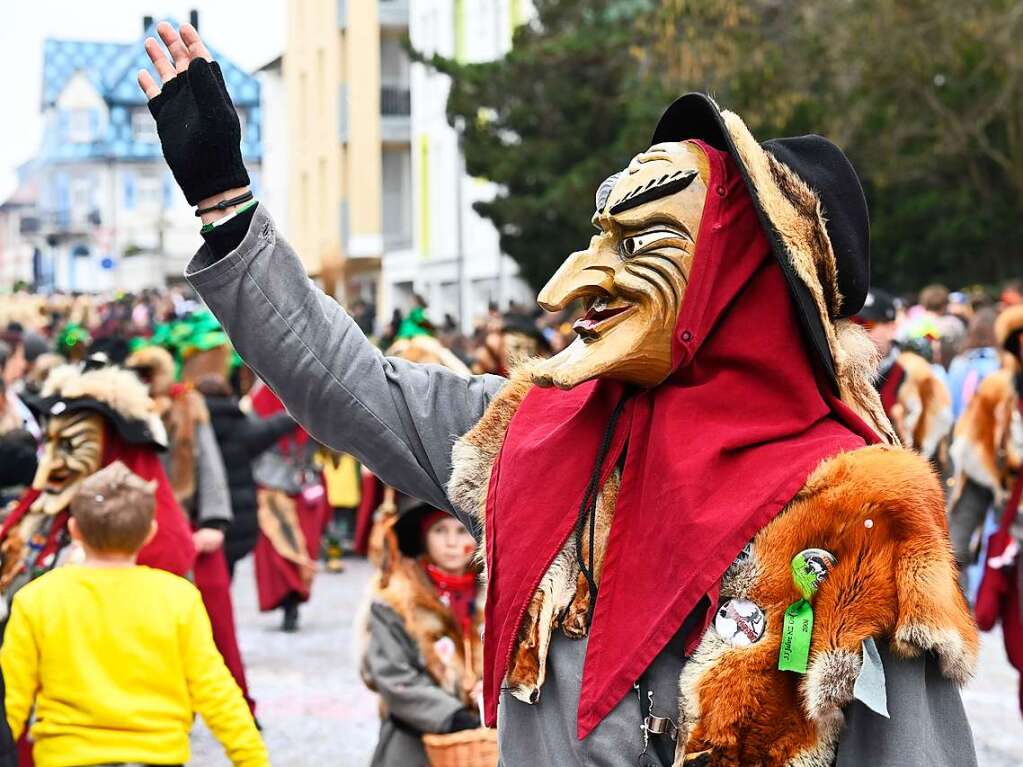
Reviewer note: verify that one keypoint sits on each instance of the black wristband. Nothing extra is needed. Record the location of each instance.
(225, 204)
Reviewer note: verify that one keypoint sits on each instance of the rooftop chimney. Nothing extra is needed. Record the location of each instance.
(193, 18)
(147, 22)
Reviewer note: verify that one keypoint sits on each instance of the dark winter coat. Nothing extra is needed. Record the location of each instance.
(17, 463)
(242, 438)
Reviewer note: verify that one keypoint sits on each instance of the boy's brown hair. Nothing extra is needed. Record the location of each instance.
(114, 509)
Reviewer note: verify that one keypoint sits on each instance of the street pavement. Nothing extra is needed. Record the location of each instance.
(315, 711)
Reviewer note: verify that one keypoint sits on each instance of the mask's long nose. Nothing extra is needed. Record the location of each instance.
(585, 273)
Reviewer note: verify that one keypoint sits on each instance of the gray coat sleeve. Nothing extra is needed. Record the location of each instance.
(398, 418)
(211, 481)
(392, 664)
(928, 725)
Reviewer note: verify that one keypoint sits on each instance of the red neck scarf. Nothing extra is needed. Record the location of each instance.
(714, 453)
(457, 592)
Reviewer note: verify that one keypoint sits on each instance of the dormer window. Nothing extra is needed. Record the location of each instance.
(81, 127)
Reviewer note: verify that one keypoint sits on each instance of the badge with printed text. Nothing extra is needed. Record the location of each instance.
(740, 622)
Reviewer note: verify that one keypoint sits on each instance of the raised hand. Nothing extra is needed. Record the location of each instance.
(195, 118)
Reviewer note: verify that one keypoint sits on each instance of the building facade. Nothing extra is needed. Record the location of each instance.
(108, 214)
(380, 207)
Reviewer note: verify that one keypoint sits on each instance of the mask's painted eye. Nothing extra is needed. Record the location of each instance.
(638, 243)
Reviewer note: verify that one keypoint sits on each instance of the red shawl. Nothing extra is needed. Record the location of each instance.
(714, 453)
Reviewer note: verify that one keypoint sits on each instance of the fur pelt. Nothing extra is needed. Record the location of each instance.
(922, 414)
(1009, 321)
(115, 387)
(796, 213)
(895, 580)
(183, 411)
(880, 511)
(988, 444)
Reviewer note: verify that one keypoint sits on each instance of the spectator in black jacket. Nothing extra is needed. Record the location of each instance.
(241, 439)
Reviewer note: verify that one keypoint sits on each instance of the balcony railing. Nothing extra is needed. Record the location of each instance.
(395, 102)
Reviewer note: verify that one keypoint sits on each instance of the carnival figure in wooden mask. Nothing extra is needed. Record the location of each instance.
(708, 454)
(634, 274)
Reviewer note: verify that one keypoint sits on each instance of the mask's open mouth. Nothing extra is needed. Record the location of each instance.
(58, 481)
(599, 318)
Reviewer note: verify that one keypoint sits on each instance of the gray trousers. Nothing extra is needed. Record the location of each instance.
(965, 523)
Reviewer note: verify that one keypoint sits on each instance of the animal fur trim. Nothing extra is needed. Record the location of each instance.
(1009, 321)
(115, 387)
(880, 511)
(796, 214)
(984, 449)
(922, 414)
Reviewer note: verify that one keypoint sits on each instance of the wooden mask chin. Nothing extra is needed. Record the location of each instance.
(633, 276)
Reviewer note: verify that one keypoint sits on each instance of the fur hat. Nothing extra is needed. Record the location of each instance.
(113, 392)
(812, 209)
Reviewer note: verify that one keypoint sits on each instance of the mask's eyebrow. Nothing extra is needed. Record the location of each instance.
(657, 188)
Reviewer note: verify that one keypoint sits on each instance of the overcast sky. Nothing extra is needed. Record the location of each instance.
(251, 32)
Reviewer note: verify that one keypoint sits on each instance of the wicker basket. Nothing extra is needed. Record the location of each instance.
(468, 748)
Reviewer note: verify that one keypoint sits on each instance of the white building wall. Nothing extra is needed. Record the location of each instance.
(274, 172)
(431, 267)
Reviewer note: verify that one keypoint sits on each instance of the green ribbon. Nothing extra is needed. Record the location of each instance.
(795, 637)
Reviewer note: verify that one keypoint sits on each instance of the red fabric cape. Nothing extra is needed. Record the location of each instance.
(714, 453)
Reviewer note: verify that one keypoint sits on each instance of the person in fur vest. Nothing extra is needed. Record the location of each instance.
(702, 544)
(423, 653)
(987, 450)
(915, 400)
(1000, 596)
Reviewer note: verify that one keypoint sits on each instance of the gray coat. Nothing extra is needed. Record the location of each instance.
(401, 419)
(414, 702)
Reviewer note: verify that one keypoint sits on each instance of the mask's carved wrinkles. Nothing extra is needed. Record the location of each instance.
(633, 276)
(73, 451)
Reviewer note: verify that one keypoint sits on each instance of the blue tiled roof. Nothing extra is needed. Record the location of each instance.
(111, 68)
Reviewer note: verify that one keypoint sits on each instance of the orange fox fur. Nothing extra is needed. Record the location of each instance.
(922, 416)
(895, 579)
(983, 448)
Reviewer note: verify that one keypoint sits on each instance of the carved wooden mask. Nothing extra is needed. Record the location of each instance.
(73, 451)
(634, 274)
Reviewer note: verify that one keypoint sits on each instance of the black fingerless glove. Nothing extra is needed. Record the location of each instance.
(200, 132)
(464, 719)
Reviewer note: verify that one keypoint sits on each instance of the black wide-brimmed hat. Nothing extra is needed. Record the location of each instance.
(811, 206)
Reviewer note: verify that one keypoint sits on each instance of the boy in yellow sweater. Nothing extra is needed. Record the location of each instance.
(118, 658)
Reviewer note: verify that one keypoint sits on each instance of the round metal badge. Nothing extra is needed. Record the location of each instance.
(810, 567)
(740, 622)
